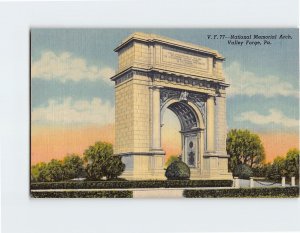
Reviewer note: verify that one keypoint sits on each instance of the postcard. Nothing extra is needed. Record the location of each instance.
(164, 113)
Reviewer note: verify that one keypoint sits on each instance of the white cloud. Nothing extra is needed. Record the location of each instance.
(75, 112)
(247, 83)
(65, 66)
(274, 117)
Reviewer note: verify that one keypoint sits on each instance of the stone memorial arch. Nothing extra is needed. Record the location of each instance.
(157, 73)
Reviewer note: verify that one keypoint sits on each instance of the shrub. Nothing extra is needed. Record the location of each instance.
(243, 192)
(36, 172)
(243, 171)
(131, 184)
(277, 169)
(56, 170)
(178, 170)
(96, 157)
(114, 167)
(284, 166)
(82, 194)
(101, 162)
(292, 163)
(48, 172)
(73, 167)
(260, 171)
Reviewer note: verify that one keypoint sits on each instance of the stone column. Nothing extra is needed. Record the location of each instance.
(236, 182)
(201, 146)
(251, 182)
(156, 121)
(210, 125)
(293, 181)
(283, 181)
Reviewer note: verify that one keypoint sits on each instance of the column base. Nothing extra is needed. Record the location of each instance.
(150, 166)
(156, 175)
(215, 166)
(144, 166)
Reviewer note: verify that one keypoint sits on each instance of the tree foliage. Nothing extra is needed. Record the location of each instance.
(243, 171)
(244, 147)
(292, 162)
(260, 170)
(48, 172)
(114, 167)
(55, 171)
(37, 173)
(73, 166)
(101, 162)
(287, 166)
(98, 162)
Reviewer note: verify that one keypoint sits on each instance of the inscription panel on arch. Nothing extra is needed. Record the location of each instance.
(184, 59)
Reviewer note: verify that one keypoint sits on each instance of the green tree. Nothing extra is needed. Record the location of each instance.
(171, 159)
(37, 171)
(243, 171)
(287, 166)
(53, 171)
(277, 169)
(73, 166)
(292, 163)
(47, 172)
(260, 170)
(244, 147)
(100, 163)
(114, 167)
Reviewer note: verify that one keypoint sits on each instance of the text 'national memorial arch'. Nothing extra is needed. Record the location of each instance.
(157, 73)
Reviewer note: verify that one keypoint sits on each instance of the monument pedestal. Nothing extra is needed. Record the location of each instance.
(215, 166)
(144, 166)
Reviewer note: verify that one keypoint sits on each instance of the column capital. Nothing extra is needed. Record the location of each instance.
(210, 95)
(155, 87)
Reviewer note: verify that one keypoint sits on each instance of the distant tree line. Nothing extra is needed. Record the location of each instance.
(96, 163)
(247, 158)
(281, 166)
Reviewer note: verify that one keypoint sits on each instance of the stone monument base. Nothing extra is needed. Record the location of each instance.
(144, 165)
(150, 166)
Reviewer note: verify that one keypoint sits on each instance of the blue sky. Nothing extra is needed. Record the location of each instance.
(264, 92)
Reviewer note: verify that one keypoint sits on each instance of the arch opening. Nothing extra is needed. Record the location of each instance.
(185, 114)
(170, 135)
(189, 131)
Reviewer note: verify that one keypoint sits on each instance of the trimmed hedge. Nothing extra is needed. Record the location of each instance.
(82, 194)
(244, 192)
(131, 184)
